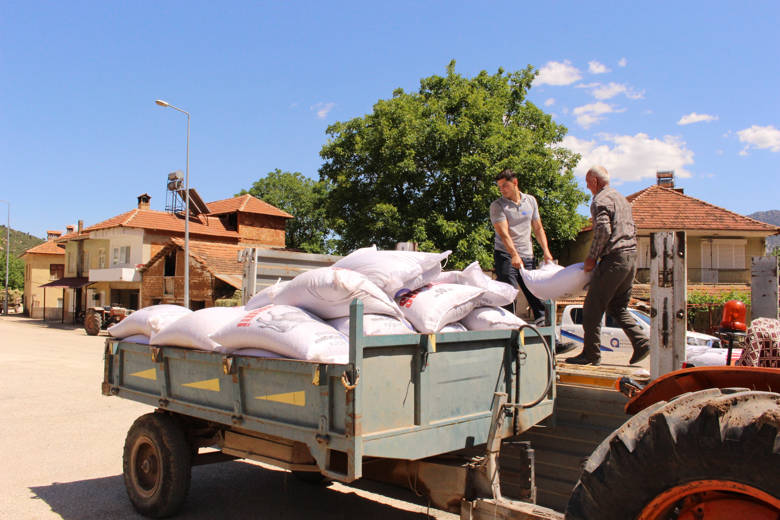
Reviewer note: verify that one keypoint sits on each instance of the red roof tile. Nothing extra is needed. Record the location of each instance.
(246, 204)
(49, 247)
(166, 222)
(657, 207)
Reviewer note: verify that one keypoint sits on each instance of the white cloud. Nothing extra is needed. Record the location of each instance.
(760, 138)
(623, 62)
(322, 109)
(594, 67)
(719, 152)
(587, 115)
(610, 90)
(549, 102)
(693, 117)
(631, 157)
(557, 73)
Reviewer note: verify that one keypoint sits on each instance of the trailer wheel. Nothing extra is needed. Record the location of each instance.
(157, 465)
(93, 322)
(714, 452)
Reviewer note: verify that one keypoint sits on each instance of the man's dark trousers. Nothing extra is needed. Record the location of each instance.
(610, 291)
(507, 273)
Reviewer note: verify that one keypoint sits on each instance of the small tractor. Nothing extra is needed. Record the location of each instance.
(99, 318)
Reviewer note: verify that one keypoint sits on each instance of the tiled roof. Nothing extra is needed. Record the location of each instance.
(221, 260)
(166, 222)
(657, 207)
(246, 204)
(49, 247)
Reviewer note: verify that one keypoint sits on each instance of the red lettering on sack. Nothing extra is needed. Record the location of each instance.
(248, 317)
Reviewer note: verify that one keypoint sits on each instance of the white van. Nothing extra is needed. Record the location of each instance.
(701, 349)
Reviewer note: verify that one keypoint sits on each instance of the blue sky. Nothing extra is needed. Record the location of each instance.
(689, 86)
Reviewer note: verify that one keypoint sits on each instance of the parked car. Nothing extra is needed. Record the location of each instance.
(701, 349)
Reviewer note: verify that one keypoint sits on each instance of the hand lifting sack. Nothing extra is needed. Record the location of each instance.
(328, 291)
(375, 325)
(285, 330)
(266, 295)
(433, 306)
(395, 272)
(193, 330)
(148, 320)
(496, 293)
(553, 282)
(491, 318)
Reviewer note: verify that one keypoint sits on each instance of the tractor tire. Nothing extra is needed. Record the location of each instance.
(157, 465)
(93, 322)
(711, 452)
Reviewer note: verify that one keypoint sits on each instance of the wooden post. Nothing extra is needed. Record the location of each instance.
(763, 287)
(668, 297)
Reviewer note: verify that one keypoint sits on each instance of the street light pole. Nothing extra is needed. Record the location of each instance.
(7, 252)
(186, 206)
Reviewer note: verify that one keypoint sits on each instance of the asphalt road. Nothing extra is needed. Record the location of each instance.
(62, 448)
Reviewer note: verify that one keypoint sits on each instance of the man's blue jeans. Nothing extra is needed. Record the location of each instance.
(506, 273)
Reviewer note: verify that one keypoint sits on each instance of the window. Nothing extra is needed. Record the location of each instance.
(85, 262)
(576, 315)
(723, 253)
(101, 258)
(170, 265)
(70, 259)
(120, 255)
(643, 253)
(56, 271)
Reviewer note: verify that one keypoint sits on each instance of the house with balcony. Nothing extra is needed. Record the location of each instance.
(720, 243)
(43, 264)
(103, 262)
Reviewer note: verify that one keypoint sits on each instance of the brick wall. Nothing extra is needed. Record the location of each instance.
(261, 229)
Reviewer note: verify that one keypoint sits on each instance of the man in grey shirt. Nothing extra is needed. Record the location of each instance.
(514, 216)
(614, 247)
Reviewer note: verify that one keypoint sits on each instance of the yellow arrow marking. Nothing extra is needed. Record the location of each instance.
(293, 398)
(147, 374)
(208, 384)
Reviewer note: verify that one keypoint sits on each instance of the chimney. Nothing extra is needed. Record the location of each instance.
(51, 235)
(69, 229)
(665, 178)
(143, 201)
(81, 226)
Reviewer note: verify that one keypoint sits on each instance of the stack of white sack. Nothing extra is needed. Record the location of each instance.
(491, 318)
(497, 294)
(375, 325)
(328, 291)
(553, 282)
(193, 330)
(147, 321)
(394, 272)
(433, 306)
(266, 296)
(285, 330)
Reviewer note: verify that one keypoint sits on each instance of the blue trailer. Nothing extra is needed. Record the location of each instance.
(409, 397)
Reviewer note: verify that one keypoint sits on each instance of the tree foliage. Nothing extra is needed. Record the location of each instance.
(421, 166)
(303, 199)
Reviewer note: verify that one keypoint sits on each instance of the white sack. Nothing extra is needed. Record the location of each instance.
(496, 293)
(553, 282)
(454, 327)
(141, 339)
(375, 325)
(489, 318)
(432, 307)
(148, 320)
(266, 295)
(286, 330)
(256, 352)
(395, 272)
(328, 291)
(193, 330)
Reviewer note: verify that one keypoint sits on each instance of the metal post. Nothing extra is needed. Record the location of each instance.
(7, 252)
(668, 299)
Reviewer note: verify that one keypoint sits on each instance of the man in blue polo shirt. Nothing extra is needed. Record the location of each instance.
(514, 216)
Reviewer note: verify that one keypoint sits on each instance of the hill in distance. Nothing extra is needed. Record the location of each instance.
(20, 241)
(770, 217)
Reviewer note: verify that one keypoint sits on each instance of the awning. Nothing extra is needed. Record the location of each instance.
(234, 280)
(69, 283)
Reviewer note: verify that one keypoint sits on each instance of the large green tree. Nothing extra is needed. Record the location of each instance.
(421, 166)
(303, 198)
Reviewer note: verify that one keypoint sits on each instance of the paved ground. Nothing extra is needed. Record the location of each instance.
(62, 448)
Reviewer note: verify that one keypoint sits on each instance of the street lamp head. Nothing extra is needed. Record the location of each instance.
(162, 103)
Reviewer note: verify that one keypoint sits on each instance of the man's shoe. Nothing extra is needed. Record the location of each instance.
(582, 359)
(539, 322)
(639, 354)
